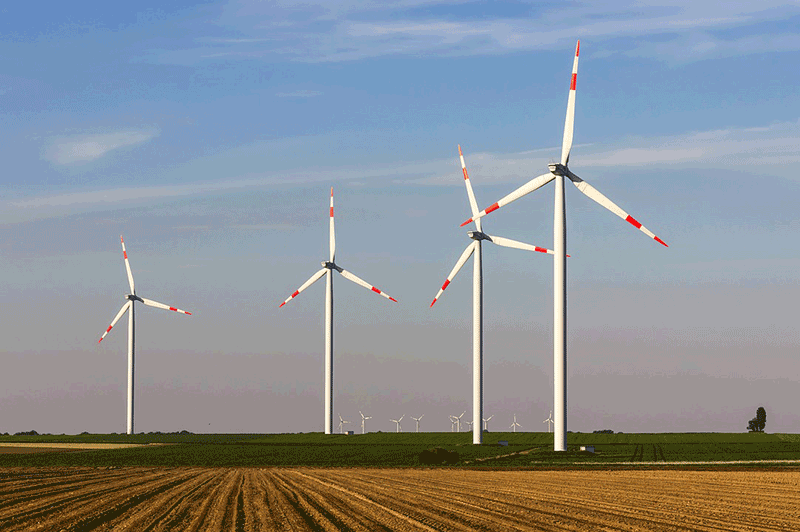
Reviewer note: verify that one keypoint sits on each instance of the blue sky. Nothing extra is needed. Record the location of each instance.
(209, 136)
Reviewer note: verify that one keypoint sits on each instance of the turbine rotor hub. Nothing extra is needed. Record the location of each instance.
(329, 265)
(558, 169)
(134, 297)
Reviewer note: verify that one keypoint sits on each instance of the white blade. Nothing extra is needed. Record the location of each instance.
(569, 123)
(127, 265)
(314, 278)
(527, 188)
(507, 242)
(125, 307)
(461, 260)
(473, 204)
(151, 303)
(594, 194)
(362, 282)
(332, 233)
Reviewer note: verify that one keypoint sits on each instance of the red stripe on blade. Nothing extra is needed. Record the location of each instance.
(540, 250)
(446, 283)
(574, 82)
(125, 253)
(331, 212)
(296, 293)
(630, 219)
(434, 301)
(578, 48)
(188, 313)
(493, 207)
(109, 328)
(393, 299)
(376, 290)
(660, 241)
(465, 173)
(173, 308)
(465, 223)
(282, 304)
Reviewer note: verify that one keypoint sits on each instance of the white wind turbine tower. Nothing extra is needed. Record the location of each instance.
(399, 429)
(514, 425)
(341, 424)
(416, 419)
(486, 422)
(363, 420)
(129, 306)
(557, 172)
(477, 295)
(549, 421)
(328, 268)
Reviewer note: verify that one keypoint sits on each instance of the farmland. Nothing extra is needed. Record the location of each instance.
(391, 449)
(253, 499)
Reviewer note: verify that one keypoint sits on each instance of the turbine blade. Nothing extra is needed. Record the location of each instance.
(151, 303)
(127, 265)
(569, 123)
(362, 282)
(125, 307)
(594, 194)
(507, 242)
(473, 204)
(332, 233)
(459, 264)
(527, 188)
(314, 278)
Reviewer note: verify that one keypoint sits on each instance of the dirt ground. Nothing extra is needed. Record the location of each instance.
(193, 499)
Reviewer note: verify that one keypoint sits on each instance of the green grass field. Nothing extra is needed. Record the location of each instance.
(402, 450)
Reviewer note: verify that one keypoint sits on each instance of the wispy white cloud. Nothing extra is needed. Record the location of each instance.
(322, 31)
(768, 150)
(76, 149)
(299, 94)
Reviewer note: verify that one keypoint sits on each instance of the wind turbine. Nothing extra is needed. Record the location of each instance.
(363, 419)
(328, 268)
(486, 423)
(514, 425)
(458, 420)
(477, 295)
(129, 306)
(557, 172)
(417, 420)
(469, 424)
(452, 423)
(341, 424)
(398, 422)
(549, 421)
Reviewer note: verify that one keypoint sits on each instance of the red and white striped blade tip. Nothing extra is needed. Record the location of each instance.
(468, 221)
(634, 222)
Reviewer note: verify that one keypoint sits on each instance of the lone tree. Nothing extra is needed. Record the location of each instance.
(758, 423)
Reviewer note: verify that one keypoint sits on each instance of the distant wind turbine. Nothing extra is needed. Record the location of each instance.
(399, 429)
(128, 306)
(416, 419)
(363, 420)
(486, 422)
(457, 419)
(549, 421)
(328, 268)
(514, 425)
(477, 295)
(557, 172)
(341, 424)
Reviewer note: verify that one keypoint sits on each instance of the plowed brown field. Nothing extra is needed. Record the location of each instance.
(191, 499)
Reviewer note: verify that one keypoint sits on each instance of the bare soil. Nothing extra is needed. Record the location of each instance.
(195, 499)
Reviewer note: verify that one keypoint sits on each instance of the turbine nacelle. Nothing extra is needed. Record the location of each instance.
(330, 265)
(478, 235)
(134, 297)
